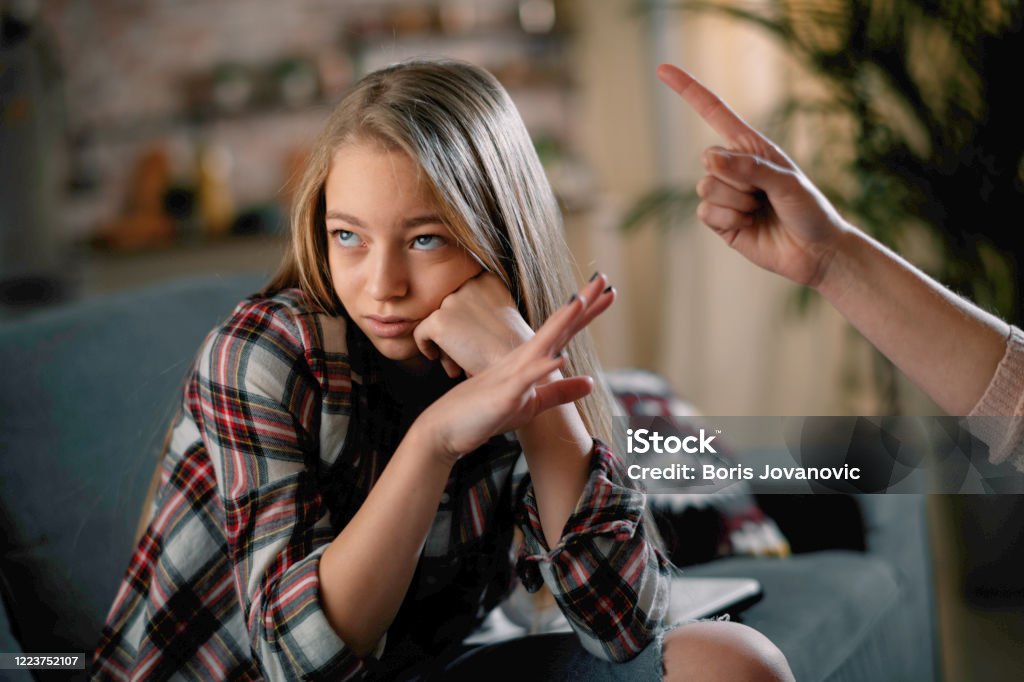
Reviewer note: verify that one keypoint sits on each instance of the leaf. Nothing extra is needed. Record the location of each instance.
(929, 90)
(668, 205)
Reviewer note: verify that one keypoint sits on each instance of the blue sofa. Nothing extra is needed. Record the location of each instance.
(89, 389)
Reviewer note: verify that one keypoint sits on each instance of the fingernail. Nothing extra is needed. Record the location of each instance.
(723, 156)
(559, 354)
(594, 276)
(607, 290)
(571, 299)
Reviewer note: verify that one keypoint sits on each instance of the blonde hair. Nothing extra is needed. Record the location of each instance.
(458, 123)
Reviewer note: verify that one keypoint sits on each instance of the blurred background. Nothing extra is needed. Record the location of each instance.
(151, 140)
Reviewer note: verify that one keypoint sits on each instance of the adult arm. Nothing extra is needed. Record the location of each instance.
(763, 206)
(944, 343)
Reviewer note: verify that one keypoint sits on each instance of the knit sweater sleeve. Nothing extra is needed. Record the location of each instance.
(997, 418)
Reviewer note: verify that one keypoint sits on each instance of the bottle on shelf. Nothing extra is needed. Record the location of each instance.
(213, 189)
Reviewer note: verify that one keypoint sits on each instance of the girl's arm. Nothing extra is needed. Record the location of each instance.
(257, 400)
(270, 416)
(604, 572)
(366, 570)
(585, 536)
(763, 206)
(583, 530)
(558, 447)
(477, 326)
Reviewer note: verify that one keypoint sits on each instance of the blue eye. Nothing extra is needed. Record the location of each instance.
(428, 242)
(346, 238)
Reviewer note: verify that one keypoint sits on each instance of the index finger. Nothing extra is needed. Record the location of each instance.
(707, 104)
(592, 300)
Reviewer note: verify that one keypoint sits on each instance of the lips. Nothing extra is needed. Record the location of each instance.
(390, 326)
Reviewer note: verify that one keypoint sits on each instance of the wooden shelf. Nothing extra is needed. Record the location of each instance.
(105, 272)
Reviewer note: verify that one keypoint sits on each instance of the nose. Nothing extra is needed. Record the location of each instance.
(389, 275)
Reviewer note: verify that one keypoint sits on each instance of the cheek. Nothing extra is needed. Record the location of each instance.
(451, 278)
(342, 280)
(463, 269)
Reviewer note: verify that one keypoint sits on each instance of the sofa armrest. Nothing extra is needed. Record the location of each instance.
(896, 530)
(90, 389)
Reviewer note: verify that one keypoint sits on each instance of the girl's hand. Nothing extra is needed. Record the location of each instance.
(476, 325)
(755, 197)
(515, 388)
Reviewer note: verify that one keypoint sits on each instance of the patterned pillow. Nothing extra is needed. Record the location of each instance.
(696, 527)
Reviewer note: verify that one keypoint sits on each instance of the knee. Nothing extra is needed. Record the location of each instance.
(718, 650)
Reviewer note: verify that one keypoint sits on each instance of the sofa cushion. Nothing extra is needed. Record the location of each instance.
(89, 391)
(830, 612)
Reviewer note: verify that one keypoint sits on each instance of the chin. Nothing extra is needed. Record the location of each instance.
(397, 350)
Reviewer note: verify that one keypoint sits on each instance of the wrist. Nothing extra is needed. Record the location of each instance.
(562, 425)
(428, 430)
(839, 263)
(516, 332)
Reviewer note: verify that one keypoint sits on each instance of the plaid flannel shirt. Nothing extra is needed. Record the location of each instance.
(284, 428)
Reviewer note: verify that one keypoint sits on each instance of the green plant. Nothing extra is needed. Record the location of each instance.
(930, 92)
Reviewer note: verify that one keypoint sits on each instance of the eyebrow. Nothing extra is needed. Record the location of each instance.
(409, 223)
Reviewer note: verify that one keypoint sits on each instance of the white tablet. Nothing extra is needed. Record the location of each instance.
(691, 599)
(694, 598)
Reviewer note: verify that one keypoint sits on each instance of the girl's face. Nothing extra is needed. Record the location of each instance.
(391, 256)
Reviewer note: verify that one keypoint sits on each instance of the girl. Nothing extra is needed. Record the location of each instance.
(337, 501)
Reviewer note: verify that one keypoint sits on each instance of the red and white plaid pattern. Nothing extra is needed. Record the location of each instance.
(284, 428)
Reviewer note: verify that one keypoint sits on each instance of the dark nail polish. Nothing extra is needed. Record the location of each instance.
(594, 276)
(571, 299)
(607, 290)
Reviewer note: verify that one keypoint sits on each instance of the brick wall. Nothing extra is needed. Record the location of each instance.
(129, 69)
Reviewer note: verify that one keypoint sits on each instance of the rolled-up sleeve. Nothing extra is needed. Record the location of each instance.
(260, 407)
(998, 418)
(609, 580)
